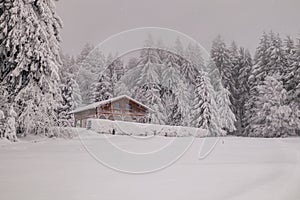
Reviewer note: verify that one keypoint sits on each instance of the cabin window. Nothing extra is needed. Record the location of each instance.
(116, 106)
(128, 106)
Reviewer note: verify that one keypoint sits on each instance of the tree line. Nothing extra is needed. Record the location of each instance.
(232, 93)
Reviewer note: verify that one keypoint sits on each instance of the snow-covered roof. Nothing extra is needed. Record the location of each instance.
(99, 103)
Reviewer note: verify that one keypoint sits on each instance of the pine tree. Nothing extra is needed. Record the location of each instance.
(290, 55)
(221, 56)
(226, 61)
(149, 94)
(182, 105)
(270, 60)
(122, 89)
(148, 88)
(277, 60)
(205, 111)
(293, 83)
(181, 60)
(91, 66)
(242, 88)
(225, 114)
(170, 79)
(274, 117)
(4, 113)
(69, 86)
(71, 98)
(291, 73)
(193, 63)
(258, 72)
(102, 89)
(29, 59)
(234, 74)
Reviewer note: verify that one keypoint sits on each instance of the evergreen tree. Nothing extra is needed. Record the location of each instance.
(226, 116)
(91, 66)
(148, 88)
(234, 75)
(293, 83)
(170, 79)
(242, 88)
(29, 60)
(226, 61)
(71, 98)
(193, 63)
(277, 58)
(257, 74)
(149, 94)
(261, 60)
(205, 111)
(102, 89)
(115, 71)
(290, 55)
(270, 60)
(221, 56)
(274, 117)
(182, 105)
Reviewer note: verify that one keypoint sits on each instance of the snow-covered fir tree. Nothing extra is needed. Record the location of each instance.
(257, 74)
(226, 61)
(274, 117)
(91, 66)
(242, 88)
(122, 89)
(182, 105)
(30, 61)
(10, 126)
(149, 94)
(68, 81)
(270, 60)
(221, 56)
(277, 60)
(234, 74)
(194, 55)
(292, 83)
(292, 71)
(148, 88)
(71, 98)
(192, 63)
(290, 56)
(181, 57)
(102, 89)
(115, 71)
(205, 111)
(225, 114)
(170, 79)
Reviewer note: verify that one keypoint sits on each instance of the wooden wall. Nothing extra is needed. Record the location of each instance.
(109, 111)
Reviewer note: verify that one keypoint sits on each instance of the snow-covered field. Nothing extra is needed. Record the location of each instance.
(237, 168)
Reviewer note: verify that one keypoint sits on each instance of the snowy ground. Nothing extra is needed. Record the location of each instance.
(237, 168)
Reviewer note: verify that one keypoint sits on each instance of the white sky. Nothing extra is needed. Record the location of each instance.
(240, 20)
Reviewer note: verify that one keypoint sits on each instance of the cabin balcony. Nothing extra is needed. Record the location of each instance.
(120, 112)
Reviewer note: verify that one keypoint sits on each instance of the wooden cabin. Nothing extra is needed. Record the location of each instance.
(122, 108)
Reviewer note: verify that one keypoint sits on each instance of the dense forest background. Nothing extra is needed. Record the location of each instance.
(233, 92)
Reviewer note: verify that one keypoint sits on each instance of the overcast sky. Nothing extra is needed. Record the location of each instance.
(240, 20)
